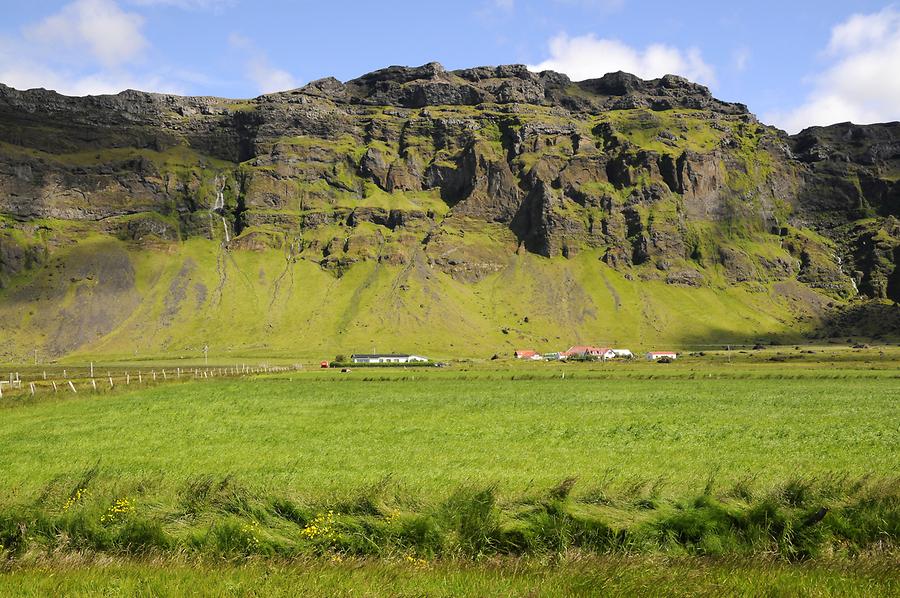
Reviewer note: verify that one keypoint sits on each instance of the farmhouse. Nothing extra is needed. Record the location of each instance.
(527, 354)
(586, 351)
(387, 358)
(654, 355)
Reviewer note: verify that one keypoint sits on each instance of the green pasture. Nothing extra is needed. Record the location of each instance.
(432, 432)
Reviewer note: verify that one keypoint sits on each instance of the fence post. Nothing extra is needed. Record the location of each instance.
(54, 386)
(31, 384)
(94, 384)
(72, 386)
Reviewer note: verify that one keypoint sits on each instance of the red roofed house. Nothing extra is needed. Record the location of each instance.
(654, 355)
(588, 351)
(527, 354)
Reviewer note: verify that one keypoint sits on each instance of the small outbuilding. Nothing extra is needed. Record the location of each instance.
(656, 355)
(526, 354)
(623, 354)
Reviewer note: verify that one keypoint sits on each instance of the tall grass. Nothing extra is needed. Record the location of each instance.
(798, 519)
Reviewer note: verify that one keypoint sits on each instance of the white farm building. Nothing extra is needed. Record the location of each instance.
(387, 358)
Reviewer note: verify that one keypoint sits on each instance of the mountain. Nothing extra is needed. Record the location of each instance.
(453, 212)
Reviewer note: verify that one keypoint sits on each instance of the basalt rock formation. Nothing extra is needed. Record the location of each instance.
(456, 172)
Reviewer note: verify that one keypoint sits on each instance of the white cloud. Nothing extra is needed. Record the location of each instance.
(861, 83)
(257, 68)
(861, 30)
(188, 4)
(33, 75)
(604, 5)
(740, 57)
(88, 47)
(99, 27)
(587, 57)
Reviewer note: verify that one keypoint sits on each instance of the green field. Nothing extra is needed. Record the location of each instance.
(431, 432)
(734, 470)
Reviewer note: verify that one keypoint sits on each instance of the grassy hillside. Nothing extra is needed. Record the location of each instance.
(102, 296)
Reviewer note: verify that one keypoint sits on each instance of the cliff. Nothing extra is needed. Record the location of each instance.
(439, 184)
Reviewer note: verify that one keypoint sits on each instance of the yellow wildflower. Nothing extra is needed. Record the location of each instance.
(321, 527)
(120, 509)
(417, 562)
(80, 494)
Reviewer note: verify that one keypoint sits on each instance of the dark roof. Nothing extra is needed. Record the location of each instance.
(372, 355)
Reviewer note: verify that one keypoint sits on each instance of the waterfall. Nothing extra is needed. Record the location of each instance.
(218, 206)
(840, 265)
(220, 194)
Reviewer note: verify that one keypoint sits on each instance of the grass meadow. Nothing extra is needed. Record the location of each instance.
(672, 479)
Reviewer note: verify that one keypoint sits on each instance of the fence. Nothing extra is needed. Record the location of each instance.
(55, 383)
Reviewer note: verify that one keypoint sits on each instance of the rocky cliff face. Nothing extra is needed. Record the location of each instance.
(458, 170)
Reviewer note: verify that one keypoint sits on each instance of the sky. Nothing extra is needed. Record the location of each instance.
(795, 63)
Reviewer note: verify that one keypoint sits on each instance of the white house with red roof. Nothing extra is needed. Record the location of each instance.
(528, 354)
(587, 351)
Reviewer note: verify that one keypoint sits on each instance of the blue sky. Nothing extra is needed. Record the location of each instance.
(795, 63)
